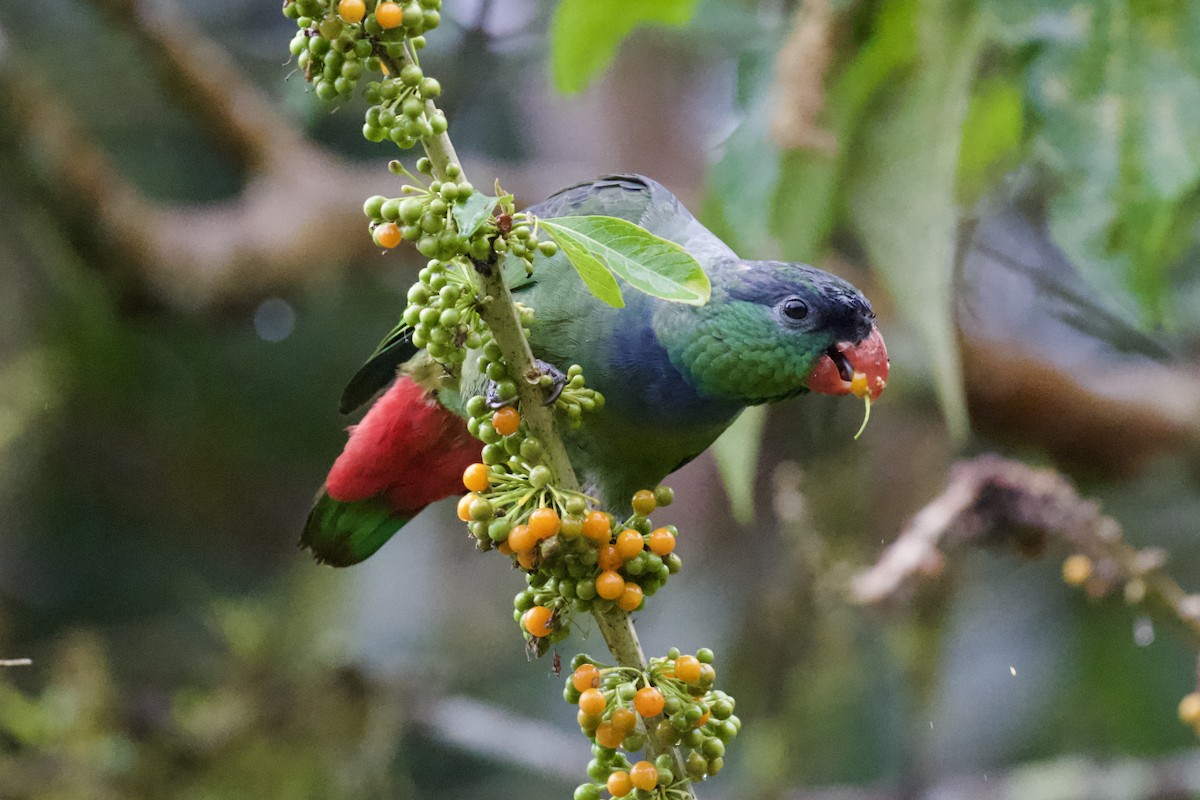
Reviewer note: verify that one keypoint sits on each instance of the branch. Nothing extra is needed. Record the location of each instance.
(994, 501)
(500, 314)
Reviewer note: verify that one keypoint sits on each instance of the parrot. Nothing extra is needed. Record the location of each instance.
(673, 376)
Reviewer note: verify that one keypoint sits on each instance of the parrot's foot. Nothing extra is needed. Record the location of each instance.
(553, 380)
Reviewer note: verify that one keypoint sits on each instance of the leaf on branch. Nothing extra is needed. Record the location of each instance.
(471, 213)
(594, 273)
(654, 265)
(585, 34)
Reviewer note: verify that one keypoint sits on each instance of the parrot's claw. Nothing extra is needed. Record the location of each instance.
(558, 382)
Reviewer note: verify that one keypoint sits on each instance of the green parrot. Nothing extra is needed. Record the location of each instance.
(673, 376)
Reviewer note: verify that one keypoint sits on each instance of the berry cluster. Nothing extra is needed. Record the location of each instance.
(675, 696)
(336, 41)
(572, 559)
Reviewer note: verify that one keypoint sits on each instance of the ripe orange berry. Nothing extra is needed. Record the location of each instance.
(387, 235)
(352, 11)
(543, 523)
(538, 621)
(631, 597)
(661, 542)
(504, 548)
(591, 701)
(389, 15)
(609, 559)
(643, 502)
(649, 702)
(464, 506)
(629, 544)
(623, 719)
(687, 669)
(609, 584)
(619, 783)
(644, 775)
(586, 677)
(597, 527)
(608, 735)
(475, 477)
(527, 559)
(520, 538)
(506, 421)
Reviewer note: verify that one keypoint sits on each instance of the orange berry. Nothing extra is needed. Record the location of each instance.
(609, 559)
(623, 719)
(608, 735)
(475, 477)
(520, 538)
(528, 559)
(389, 15)
(586, 677)
(631, 597)
(644, 775)
(629, 544)
(643, 502)
(662, 542)
(506, 421)
(597, 527)
(687, 669)
(591, 701)
(588, 721)
(543, 523)
(619, 783)
(352, 11)
(387, 235)
(539, 621)
(609, 584)
(504, 548)
(649, 702)
(464, 506)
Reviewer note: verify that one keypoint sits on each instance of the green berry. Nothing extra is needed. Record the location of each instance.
(429, 88)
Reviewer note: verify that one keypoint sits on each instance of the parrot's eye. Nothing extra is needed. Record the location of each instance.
(794, 309)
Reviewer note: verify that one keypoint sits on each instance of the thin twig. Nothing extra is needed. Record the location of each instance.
(994, 501)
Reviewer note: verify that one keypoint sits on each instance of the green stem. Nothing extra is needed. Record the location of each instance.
(500, 314)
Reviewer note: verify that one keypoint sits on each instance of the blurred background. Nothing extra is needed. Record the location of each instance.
(186, 282)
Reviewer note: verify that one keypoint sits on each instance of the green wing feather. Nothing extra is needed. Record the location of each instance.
(342, 534)
(379, 370)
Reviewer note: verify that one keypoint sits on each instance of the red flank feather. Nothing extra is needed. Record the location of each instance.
(408, 448)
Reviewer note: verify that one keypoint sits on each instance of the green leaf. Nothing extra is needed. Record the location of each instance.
(595, 275)
(807, 195)
(902, 188)
(736, 454)
(584, 34)
(471, 213)
(658, 267)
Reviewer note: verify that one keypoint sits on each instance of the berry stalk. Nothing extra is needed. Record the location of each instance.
(502, 317)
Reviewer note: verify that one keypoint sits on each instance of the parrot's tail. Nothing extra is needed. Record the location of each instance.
(407, 452)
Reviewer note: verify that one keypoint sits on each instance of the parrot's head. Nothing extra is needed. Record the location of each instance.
(774, 329)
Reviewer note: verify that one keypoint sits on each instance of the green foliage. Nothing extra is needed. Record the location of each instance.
(585, 34)
(647, 262)
(472, 211)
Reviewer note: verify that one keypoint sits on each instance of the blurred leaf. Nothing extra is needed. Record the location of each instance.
(745, 177)
(736, 453)
(584, 34)
(1118, 95)
(992, 135)
(658, 267)
(902, 197)
(806, 197)
(471, 213)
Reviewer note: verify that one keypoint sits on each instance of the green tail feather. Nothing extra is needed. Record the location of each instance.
(341, 534)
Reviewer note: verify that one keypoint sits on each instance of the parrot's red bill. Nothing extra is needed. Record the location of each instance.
(848, 368)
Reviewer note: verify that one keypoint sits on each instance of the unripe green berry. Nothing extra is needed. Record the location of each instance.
(429, 88)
